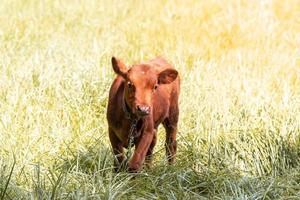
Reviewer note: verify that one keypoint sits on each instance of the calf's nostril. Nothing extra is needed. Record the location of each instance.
(144, 110)
(139, 108)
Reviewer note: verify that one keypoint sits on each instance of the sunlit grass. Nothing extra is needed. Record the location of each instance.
(239, 63)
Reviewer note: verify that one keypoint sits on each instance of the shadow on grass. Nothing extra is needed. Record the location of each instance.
(95, 157)
(202, 171)
(84, 174)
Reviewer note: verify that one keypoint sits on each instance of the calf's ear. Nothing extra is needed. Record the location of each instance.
(167, 76)
(119, 67)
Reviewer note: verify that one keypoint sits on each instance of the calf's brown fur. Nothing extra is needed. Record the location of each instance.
(149, 93)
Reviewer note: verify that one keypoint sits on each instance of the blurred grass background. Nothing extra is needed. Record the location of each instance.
(239, 63)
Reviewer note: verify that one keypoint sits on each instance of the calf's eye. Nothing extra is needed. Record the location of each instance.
(130, 85)
(155, 87)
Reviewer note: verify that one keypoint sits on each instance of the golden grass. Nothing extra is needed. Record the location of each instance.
(239, 62)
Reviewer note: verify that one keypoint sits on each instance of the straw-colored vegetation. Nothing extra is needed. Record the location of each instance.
(239, 60)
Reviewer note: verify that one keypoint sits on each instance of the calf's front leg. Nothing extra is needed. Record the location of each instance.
(138, 158)
(117, 150)
(149, 155)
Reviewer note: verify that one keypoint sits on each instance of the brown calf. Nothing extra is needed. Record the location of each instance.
(140, 98)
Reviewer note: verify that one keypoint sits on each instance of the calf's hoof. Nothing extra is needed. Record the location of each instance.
(134, 168)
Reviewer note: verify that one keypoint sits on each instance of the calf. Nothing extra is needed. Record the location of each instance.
(140, 98)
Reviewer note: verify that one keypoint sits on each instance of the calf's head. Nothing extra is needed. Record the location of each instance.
(141, 82)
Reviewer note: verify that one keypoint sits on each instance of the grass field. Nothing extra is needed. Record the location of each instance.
(239, 131)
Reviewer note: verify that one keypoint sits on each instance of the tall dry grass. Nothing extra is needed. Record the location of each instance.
(239, 109)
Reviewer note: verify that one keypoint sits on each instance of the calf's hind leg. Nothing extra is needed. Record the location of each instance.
(170, 125)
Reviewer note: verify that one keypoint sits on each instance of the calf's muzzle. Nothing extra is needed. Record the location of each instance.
(143, 110)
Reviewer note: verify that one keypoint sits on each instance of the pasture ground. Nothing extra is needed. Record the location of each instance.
(239, 128)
